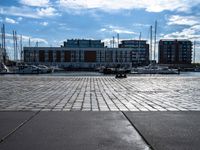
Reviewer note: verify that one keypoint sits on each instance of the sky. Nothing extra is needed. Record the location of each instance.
(50, 22)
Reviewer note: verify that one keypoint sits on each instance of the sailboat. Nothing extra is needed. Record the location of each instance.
(3, 68)
(153, 67)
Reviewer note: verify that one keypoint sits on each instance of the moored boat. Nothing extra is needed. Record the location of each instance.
(3, 68)
(28, 69)
(154, 69)
(45, 69)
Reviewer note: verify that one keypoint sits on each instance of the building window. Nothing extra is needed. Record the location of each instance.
(67, 56)
(90, 56)
(58, 56)
(50, 56)
(41, 56)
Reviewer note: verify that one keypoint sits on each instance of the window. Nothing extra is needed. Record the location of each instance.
(58, 56)
(41, 56)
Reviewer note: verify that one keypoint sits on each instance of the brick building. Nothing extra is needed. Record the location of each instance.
(175, 52)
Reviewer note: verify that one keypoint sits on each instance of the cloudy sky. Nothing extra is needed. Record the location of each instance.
(52, 21)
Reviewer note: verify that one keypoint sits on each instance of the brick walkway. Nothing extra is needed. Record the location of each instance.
(99, 93)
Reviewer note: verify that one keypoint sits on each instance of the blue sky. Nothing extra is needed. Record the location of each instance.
(50, 22)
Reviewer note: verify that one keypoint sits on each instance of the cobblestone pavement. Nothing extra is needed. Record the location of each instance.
(100, 93)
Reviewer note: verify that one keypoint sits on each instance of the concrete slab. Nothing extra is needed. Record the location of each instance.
(11, 120)
(168, 130)
(76, 130)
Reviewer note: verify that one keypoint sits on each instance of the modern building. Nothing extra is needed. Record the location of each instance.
(140, 51)
(79, 55)
(175, 52)
(83, 43)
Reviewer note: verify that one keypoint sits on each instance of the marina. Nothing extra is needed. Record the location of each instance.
(99, 75)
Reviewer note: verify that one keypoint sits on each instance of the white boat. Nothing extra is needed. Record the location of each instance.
(45, 69)
(197, 70)
(56, 69)
(3, 68)
(154, 69)
(100, 69)
(28, 69)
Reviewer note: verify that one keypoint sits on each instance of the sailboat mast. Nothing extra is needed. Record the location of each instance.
(118, 40)
(21, 47)
(16, 45)
(138, 56)
(1, 37)
(4, 38)
(154, 56)
(14, 55)
(29, 42)
(151, 43)
(194, 52)
(113, 41)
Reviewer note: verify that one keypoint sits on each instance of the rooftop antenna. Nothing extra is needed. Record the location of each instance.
(140, 36)
(151, 42)
(154, 56)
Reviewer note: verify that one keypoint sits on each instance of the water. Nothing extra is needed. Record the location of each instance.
(84, 73)
(87, 73)
(74, 73)
(190, 74)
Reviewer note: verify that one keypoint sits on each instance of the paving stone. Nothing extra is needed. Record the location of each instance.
(102, 93)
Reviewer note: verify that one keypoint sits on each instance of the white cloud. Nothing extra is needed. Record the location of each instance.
(19, 18)
(11, 21)
(34, 39)
(63, 27)
(192, 33)
(38, 3)
(183, 20)
(141, 25)
(47, 12)
(150, 6)
(39, 40)
(44, 23)
(25, 39)
(9, 38)
(103, 29)
(116, 29)
(29, 12)
(19, 11)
